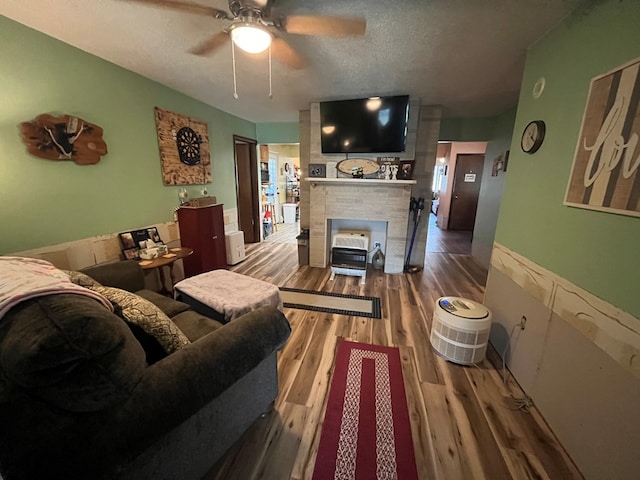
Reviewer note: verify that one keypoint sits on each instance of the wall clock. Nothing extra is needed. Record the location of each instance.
(532, 136)
(358, 167)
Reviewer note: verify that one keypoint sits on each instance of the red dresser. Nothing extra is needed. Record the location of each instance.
(202, 229)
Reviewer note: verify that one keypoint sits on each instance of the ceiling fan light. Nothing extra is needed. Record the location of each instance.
(374, 103)
(251, 38)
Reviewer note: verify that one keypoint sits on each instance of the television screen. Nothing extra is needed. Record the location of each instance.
(365, 125)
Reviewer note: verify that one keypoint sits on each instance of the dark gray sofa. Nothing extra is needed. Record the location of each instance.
(79, 399)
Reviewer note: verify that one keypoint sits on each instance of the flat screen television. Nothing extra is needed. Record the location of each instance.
(365, 125)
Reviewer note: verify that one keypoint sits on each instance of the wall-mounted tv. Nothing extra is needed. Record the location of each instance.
(364, 125)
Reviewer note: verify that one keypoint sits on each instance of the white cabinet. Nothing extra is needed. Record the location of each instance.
(234, 242)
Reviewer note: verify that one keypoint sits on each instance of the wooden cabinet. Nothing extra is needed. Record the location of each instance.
(202, 229)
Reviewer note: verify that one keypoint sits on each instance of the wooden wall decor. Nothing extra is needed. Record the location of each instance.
(184, 149)
(606, 165)
(63, 138)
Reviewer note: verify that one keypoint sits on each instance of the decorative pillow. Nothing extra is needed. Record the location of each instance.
(147, 316)
(82, 279)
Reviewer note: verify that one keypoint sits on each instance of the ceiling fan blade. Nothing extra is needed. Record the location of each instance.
(189, 7)
(286, 55)
(211, 44)
(324, 25)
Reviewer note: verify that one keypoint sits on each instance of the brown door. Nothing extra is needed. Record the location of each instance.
(466, 190)
(247, 188)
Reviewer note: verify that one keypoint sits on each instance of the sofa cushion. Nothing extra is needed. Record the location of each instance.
(195, 325)
(169, 306)
(145, 314)
(81, 279)
(69, 351)
(125, 274)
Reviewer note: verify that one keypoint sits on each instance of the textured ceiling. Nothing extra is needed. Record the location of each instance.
(466, 55)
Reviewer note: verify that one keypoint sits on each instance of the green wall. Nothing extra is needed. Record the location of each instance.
(478, 129)
(599, 252)
(278, 132)
(48, 202)
(492, 188)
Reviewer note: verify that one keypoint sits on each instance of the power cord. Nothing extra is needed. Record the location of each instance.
(525, 402)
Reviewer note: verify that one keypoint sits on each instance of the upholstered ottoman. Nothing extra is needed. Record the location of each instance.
(226, 295)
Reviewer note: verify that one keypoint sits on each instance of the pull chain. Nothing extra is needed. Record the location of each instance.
(233, 66)
(233, 63)
(270, 91)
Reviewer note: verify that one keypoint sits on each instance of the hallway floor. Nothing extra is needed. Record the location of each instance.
(285, 233)
(447, 241)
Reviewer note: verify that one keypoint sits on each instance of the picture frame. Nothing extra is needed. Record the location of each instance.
(317, 170)
(500, 164)
(131, 254)
(135, 240)
(497, 165)
(264, 172)
(153, 235)
(608, 182)
(405, 170)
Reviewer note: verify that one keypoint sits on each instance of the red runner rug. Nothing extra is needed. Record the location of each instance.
(366, 432)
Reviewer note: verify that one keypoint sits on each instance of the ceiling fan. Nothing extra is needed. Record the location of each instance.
(253, 28)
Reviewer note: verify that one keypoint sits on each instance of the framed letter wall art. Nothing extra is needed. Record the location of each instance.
(606, 165)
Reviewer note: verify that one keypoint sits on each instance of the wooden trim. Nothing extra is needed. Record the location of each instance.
(614, 331)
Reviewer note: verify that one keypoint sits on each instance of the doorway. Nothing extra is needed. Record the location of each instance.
(466, 191)
(246, 163)
(282, 192)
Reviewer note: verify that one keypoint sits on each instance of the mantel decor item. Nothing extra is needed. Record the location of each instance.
(184, 149)
(317, 170)
(606, 164)
(358, 167)
(389, 167)
(63, 138)
(405, 170)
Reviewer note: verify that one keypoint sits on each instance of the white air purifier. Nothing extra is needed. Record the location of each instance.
(460, 330)
(234, 243)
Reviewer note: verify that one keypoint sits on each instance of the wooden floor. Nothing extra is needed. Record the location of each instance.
(464, 421)
(284, 233)
(447, 241)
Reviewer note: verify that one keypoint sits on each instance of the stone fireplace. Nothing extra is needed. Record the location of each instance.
(382, 199)
(359, 200)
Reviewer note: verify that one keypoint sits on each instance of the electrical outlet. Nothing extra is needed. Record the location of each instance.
(523, 322)
(377, 244)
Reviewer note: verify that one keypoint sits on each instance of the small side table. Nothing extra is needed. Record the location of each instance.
(166, 260)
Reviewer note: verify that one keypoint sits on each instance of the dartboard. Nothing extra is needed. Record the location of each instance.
(188, 143)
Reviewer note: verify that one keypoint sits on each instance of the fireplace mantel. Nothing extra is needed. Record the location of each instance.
(359, 199)
(361, 182)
